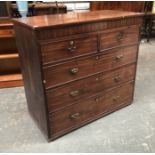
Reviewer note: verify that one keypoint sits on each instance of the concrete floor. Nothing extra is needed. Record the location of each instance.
(131, 129)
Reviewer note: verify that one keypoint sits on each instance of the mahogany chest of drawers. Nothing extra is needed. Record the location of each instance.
(77, 67)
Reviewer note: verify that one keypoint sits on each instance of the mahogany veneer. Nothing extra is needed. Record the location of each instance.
(77, 67)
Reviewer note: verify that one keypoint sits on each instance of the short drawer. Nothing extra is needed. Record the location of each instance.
(86, 110)
(68, 94)
(67, 49)
(126, 36)
(74, 70)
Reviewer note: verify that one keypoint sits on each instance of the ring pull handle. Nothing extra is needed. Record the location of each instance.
(119, 57)
(117, 78)
(74, 70)
(72, 46)
(74, 93)
(116, 98)
(75, 116)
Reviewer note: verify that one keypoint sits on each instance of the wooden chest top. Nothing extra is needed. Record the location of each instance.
(74, 18)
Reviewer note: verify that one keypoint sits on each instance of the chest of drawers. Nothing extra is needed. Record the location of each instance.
(77, 67)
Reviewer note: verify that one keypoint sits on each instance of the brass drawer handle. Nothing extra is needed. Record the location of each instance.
(72, 46)
(75, 116)
(117, 78)
(72, 49)
(74, 70)
(119, 57)
(74, 93)
(116, 98)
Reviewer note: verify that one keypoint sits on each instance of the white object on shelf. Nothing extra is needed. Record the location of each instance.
(75, 6)
(70, 6)
(82, 6)
(153, 9)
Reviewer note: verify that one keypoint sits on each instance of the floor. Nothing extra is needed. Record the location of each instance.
(131, 129)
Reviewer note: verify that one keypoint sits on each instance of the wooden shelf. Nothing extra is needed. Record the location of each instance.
(11, 80)
(9, 56)
(6, 25)
(10, 73)
(6, 30)
(7, 36)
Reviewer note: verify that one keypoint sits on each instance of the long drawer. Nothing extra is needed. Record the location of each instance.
(80, 68)
(70, 48)
(88, 87)
(75, 115)
(125, 36)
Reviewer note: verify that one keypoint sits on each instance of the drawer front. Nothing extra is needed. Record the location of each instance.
(76, 29)
(75, 115)
(70, 71)
(6, 33)
(79, 89)
(121, 37)
(58, 51)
